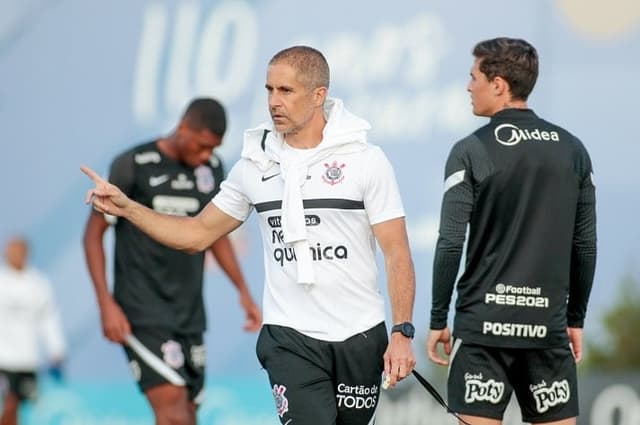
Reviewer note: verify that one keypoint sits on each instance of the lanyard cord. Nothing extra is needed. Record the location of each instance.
(436, 395)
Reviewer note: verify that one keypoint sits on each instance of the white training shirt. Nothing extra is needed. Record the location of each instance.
(28, 318)
(344, 195)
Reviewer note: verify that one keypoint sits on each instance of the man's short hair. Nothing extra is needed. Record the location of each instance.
(206, 113)
(312, 67)
(512, 59)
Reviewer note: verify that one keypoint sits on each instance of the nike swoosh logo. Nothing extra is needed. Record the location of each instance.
(157, 181)
(287, 423)
(265, 178)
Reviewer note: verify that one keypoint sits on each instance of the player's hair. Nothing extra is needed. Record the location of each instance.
(19, 239)
(206, 113)
(312, 67)
(513, 59)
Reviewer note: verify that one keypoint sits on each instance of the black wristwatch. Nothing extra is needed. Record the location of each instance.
(405, 328)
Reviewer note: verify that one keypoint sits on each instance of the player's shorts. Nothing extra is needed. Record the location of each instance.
(22, 384)
(318, 382)
(158, 356)
(481, 380)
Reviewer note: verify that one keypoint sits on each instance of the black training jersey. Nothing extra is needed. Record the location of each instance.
(525, 188)
(156, 285)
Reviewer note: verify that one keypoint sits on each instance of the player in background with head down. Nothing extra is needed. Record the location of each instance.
(157, 309)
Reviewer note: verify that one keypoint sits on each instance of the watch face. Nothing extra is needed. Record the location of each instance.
(408, 330)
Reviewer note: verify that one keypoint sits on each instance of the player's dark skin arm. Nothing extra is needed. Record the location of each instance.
(115, 325)
(223, 252)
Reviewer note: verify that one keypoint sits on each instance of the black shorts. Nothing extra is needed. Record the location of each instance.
(481, 380)
(318, 382)
(22, 384)
(160, 356)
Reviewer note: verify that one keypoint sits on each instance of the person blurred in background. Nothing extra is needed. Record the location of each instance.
(29, 321)
(157, 310)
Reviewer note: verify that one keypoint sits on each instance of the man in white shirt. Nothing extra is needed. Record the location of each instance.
(28, 318)
(324, 196)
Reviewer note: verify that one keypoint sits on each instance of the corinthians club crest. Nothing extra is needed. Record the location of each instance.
(282, 404)
(333, 173)
(173, 355)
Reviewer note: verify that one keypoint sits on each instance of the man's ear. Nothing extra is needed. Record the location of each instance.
(183, 127)
(319, 96)
(500, 86)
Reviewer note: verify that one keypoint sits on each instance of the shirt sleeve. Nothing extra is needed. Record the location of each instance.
(51, 325)
(122, 174)
(382, 199)
(583, 253)
(457, 204)
(232, 198)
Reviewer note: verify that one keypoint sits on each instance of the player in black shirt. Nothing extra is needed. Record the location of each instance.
(524, 186)
(157, 308)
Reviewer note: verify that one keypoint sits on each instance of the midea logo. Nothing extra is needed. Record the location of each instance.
(511, 135)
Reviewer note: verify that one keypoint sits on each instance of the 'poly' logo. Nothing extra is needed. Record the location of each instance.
(478, 390)
(549, 396)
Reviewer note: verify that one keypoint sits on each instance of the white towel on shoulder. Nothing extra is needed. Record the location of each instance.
(343, 133)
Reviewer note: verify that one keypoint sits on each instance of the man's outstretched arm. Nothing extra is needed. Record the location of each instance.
(191, 234)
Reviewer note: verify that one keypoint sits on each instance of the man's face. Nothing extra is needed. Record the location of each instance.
(196, 146)
(16, 254)
(291, 104)
(483, 98)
